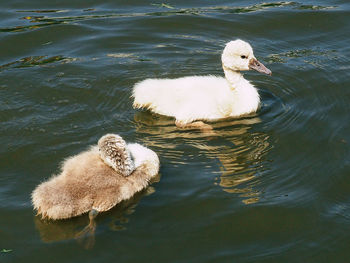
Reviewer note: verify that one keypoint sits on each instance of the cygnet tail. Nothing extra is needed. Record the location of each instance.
(145, 94)
(52, 201)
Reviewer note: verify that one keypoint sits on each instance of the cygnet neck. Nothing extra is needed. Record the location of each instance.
(233, 77)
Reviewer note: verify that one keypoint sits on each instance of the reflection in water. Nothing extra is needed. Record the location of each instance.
(53, 231)
(240, 165)
(239, 151)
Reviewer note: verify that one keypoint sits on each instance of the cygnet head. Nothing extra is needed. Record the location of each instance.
(115, 153)
(238, 56)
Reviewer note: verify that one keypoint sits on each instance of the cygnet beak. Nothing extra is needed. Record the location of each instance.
(258, 66)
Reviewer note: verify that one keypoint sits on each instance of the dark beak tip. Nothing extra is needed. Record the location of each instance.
(258, 66)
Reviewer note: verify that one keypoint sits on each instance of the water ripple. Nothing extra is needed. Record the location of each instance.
(274, 182)
(43, 21)
(36, 61)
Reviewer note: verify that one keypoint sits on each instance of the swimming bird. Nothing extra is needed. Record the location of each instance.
(194, 99)
(96, 180)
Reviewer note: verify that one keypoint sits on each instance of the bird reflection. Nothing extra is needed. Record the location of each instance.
(239, 151)
(53, 231)
(241, 164)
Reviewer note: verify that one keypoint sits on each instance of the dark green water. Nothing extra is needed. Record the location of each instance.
(273, 187)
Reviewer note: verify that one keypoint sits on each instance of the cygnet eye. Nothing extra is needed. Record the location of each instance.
(243, 57)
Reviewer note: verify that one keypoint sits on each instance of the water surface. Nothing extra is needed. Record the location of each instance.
(270, 187)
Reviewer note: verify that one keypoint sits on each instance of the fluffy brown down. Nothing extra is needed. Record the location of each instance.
(86, 183)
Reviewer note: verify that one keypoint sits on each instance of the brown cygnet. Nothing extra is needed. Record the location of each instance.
(96, 180)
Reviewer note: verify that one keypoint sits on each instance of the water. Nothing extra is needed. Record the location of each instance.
(271, 187)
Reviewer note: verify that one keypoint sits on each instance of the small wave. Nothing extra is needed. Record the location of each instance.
(311, 57)
(33, 61)
(42, 11)
(43, 21)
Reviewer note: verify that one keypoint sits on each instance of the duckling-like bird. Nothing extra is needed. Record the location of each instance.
(195, 98)
(96, 180)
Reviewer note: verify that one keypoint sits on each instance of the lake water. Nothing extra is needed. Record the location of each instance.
(271, 187)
